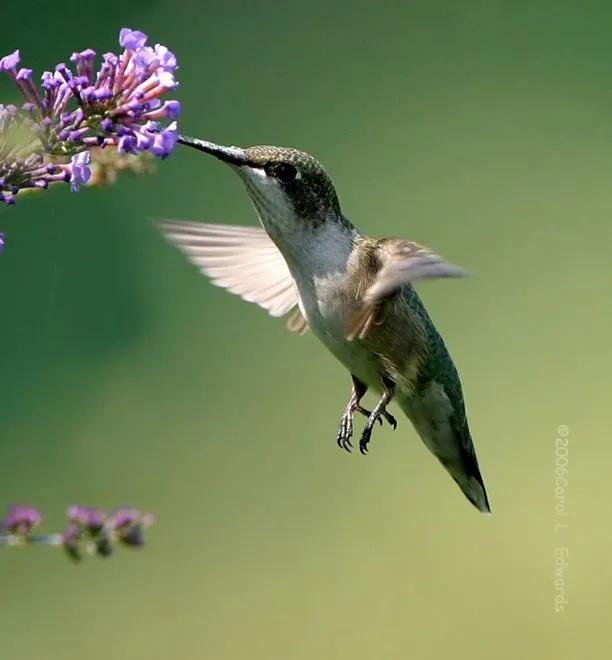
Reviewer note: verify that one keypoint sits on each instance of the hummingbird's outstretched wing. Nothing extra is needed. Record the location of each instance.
(397, 262)
(243, 260)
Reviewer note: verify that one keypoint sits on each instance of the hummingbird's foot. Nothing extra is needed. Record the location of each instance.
(377, 414)
(345, 432)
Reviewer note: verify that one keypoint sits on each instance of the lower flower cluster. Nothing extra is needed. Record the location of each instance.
(89, 531)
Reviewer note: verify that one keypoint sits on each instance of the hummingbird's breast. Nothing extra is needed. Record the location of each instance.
(324, 301)
(395, 348)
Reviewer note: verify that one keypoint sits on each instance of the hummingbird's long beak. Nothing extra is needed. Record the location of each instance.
(230, 155)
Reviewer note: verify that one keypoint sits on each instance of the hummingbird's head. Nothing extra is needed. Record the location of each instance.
(289, 189)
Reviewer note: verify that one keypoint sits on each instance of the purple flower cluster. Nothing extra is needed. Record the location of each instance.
(117, 106)
(89, 530)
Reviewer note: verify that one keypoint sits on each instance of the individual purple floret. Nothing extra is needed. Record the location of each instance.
(118, 105)
(87, 517)
(128, 525)
(80, 170)
(20, 520)
(71, 540)
(1, 240)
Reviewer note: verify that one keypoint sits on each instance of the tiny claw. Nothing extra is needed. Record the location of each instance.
(346, 444)
(364, 441)
(390, 419)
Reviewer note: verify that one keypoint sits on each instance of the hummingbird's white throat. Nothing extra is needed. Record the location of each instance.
(271, 202)
(309, 251)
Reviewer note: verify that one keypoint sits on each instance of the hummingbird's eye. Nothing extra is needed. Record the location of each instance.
(284, 172)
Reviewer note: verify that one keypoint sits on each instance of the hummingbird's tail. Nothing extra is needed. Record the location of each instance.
(452, 446)
(473, 487)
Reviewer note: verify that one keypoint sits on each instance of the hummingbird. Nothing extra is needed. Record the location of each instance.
(355, 293)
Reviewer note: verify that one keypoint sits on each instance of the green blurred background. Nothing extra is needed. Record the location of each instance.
(482, 129)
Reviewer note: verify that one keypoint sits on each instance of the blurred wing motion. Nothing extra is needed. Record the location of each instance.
(296, 322)
(399, 262)
(243, 260)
